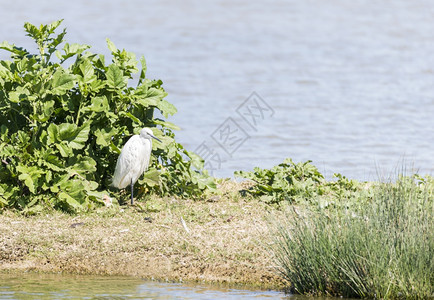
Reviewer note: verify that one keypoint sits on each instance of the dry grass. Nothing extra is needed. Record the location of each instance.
(223, 240)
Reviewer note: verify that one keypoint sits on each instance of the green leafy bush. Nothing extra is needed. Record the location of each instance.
(63, 122)
(300, 183)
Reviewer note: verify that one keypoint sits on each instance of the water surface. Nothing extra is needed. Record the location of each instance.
(350, 82)
(61, 286)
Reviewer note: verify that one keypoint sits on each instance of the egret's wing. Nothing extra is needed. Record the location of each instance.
(146, 155)
(129, 164)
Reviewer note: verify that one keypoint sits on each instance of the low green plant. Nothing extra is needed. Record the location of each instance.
(300, 183)
(64, 116)
(287, 181)
(381, 250)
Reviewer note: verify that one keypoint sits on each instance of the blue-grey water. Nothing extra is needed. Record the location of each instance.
(348, 84)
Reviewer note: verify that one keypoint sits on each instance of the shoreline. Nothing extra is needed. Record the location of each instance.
(222, 241)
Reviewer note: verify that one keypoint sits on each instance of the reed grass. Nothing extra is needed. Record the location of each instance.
(382, 249)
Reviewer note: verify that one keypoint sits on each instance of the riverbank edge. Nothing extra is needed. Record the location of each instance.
(224, 240)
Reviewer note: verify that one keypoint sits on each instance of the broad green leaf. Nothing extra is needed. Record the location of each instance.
(62, 82)
(166, 124)
(71, 50)
(9, 151)
(129, 115)
(205, 182)
(166, 142)
(22, 65)
(98, 104)
(21, 52)
(53, 133)
(51, 160)
(32, 30)
(100, 138)
(29, 175)
(53, 43)
(48, 109)
(155, 94)
(115, 77)
(3, 201)
(14, 97)
(54, 189)
(48, 176)
(6, 46)
(51, 27)
(166, 108)
(80, 137)
(111, 45)
(20, 94)
(67, 131)
(9, 192)
(27, 181)
(141, 90)
(74, 186)
(126, 61)
(64, 150)
(74, 137)
(4, 130)
(70, 201)
(83, 165)
(99, 62)
(5, 73)
(91, 185)
(151, 177)
(97, 196)
(104, 136)
(87, 71)
(196, 160)
(146, 102)
(59, 55)
(143, 70)
(96, 85)
(23, 138)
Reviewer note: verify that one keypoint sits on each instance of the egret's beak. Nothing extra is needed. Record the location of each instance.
(155, 138)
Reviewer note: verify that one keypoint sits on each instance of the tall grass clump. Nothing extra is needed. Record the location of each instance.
(384, 249)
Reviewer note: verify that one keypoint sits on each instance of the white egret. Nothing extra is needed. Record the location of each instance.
(133, 160)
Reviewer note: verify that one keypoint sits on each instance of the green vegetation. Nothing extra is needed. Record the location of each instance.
(350, 239)
(383, 249)
(63, 122)
(302, 183)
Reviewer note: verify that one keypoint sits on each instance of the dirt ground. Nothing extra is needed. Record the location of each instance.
(224, 239)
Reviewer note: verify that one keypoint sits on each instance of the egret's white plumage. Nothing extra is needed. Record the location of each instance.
(133, 160)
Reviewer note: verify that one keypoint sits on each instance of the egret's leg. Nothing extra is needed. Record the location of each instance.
(132, 192)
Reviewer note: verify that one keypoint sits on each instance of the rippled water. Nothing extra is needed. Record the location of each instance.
(58, 286)
(351, 83)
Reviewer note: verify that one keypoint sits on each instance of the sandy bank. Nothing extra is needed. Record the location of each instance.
(223, 240)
